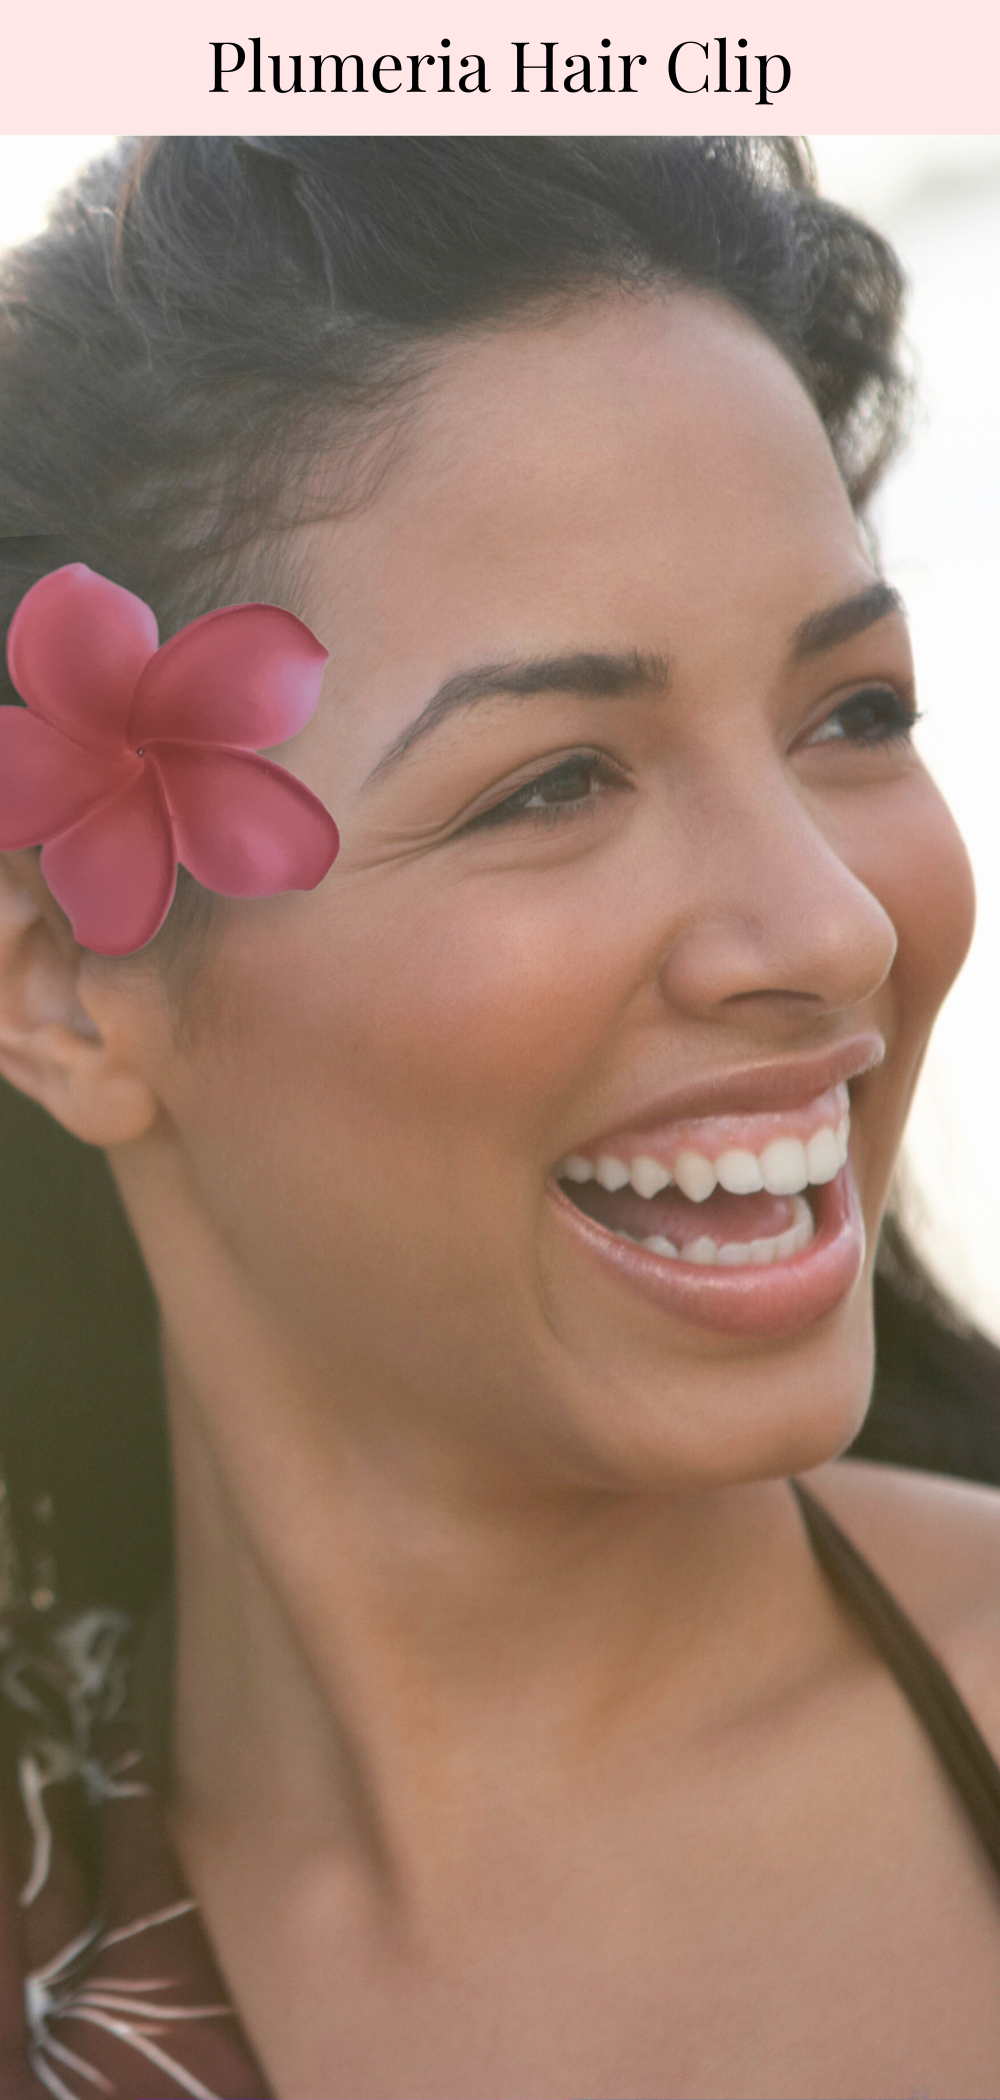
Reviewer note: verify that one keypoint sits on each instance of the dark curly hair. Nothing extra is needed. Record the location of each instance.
(203, 319)
(204, 313)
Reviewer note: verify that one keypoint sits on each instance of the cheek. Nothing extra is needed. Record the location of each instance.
(471, 1014)
(916, 864)
(424, 1038)
(403, 1065)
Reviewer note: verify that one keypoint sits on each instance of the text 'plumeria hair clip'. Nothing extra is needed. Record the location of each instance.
(128, 758)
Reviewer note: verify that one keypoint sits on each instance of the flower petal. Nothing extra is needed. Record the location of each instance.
(244, 826)
(246, 675)
(76, 646)
(114, 872)
(46, 782)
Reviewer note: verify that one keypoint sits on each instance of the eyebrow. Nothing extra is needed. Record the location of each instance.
(850, 616)
(600, 675)
(593, 675)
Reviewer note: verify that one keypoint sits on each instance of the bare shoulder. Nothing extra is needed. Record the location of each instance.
(936, 1545)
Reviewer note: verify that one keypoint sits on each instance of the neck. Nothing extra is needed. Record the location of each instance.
(375, 1659)
(380, 1633)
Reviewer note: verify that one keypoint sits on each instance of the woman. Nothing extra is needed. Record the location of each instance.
(509, 1197)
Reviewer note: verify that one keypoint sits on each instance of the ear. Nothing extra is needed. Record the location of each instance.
(51, 1045)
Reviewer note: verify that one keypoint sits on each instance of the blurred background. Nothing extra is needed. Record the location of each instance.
(938, 523)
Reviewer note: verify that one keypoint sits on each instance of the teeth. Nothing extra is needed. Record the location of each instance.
(823, 1158)
(575, 1168)
(705, 1253)
(783, 1165)
(740, 1173)
(695, 1176)
(648, 1177)
(612, 1173)
(798, 1234)
(784, 1168)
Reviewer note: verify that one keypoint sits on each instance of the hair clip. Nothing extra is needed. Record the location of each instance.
(129, 758)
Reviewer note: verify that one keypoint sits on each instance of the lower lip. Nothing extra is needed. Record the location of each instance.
(778, 1300)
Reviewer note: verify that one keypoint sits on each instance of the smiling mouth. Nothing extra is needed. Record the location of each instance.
(716, 1192)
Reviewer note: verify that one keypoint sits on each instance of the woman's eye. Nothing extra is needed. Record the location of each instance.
(564, 791)
(874, 717)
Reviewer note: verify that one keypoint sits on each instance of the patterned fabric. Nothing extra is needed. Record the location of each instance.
(107, 1983)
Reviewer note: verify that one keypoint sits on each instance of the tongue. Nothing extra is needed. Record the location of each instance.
(722, 1217)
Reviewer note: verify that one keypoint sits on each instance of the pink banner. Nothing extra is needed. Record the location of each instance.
(572, 66)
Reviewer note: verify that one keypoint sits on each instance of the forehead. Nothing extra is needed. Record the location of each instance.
(641, 470)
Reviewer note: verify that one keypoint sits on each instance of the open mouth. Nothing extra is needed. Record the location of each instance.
(747, 1223)
(723, 1191)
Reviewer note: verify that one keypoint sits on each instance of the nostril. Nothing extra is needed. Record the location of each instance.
(776, 991)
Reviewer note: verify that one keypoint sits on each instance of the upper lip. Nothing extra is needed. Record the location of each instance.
(781, 1083)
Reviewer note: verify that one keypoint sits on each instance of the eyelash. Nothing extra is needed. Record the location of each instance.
(890, 720)
(600, 773)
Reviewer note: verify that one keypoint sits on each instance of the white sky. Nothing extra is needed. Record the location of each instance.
(939, 529)
(938, 198)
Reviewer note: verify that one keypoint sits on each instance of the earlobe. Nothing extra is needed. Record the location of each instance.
(51, 1047)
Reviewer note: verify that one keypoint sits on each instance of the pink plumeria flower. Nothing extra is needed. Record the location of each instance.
(128, 758)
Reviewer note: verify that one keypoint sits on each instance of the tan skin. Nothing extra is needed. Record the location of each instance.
(520, 1747)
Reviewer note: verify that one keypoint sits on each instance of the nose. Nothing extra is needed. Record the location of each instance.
(776, 913)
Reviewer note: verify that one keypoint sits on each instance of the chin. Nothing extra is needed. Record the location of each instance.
(768, 1411)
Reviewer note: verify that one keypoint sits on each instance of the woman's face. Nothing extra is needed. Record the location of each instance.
(638, 864)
